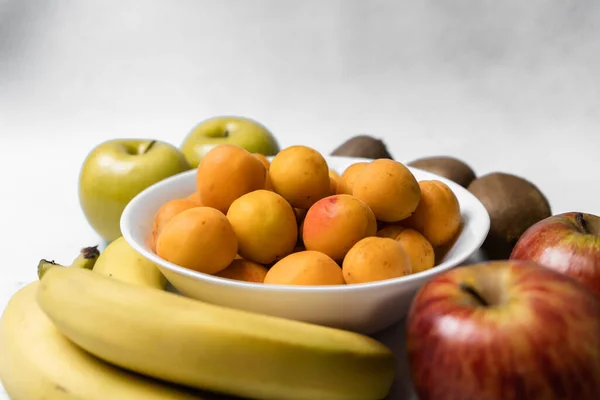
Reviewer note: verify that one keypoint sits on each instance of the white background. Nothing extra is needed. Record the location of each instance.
(510, 86)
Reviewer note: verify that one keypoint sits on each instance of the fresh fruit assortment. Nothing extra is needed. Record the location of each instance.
(524, 327)
(303, 223)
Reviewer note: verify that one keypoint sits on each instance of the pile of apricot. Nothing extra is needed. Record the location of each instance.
(295, 221)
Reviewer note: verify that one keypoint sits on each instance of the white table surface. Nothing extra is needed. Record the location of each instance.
(502, 89)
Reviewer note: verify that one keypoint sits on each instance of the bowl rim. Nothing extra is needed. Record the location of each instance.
(477, 208)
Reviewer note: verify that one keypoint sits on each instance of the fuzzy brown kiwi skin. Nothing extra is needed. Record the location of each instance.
(449, 167)
(514, 204)
(364, 146)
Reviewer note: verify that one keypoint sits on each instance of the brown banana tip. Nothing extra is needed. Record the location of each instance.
(90, 252)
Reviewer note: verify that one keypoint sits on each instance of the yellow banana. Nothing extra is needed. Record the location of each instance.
(118, 260)
(121, 262)
(86, 259)
(185, 341)
(37, 362)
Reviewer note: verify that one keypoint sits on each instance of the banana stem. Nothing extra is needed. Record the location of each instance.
(86, 259)
(45, 265)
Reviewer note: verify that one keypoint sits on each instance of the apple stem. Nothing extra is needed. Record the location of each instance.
(581, 222)
(149, 147)
(226, 133)
(470, 290)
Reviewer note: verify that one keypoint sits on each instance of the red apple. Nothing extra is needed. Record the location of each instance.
(568, 243)
(504, 330)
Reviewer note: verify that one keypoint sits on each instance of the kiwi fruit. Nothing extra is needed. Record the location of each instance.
(514, 204)
(448, 167)
(364, 146)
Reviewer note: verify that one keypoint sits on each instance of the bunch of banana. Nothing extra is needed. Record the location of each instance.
(118, 260)
(89, 328)
(86, 259)
(38, 362)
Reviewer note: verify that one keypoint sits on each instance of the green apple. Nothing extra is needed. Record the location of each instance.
(115, 171)
(241, 131)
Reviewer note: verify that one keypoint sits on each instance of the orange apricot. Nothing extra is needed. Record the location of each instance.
(390, 230)
(375, 259)
(333, 181)
(389, 188)
(334, 224)
(332, 186)
(227, 172)
(167, 211)
(301, 175)
(333, 174)
(268, 184)
(264, 160)
(265, 225)
(195, 197)
(305, 268)
(267, 164)
(200, 238)
(244, 270)
(345, 183)
(437, 216)
(418, 248)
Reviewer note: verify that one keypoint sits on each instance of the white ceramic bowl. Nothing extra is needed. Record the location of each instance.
(364, 308)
